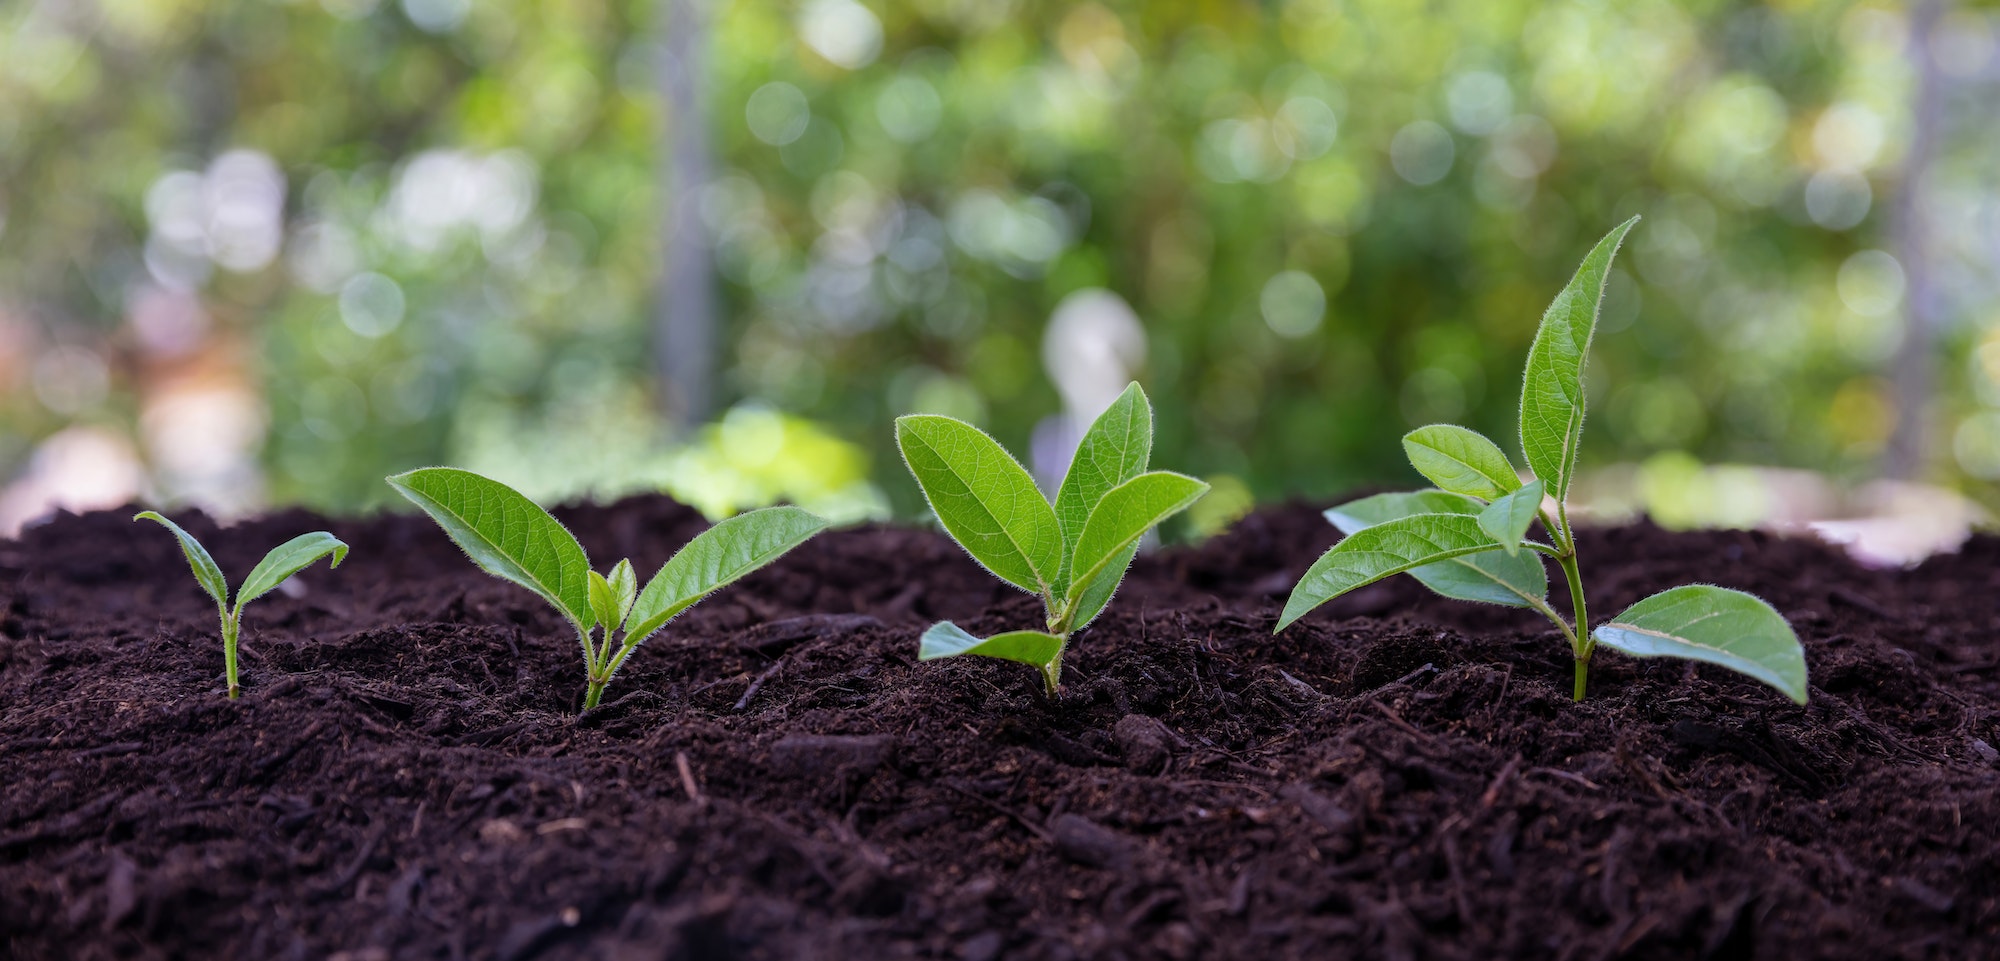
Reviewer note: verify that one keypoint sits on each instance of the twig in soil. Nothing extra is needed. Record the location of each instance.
(1567, 776)
(1033, 828)
(113, 750)
(1413, 675)
(355, 867)
(1492, 795)
(758, 684)
(1397, 718)
(687, 779)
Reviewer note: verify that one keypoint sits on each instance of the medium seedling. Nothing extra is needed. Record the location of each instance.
(1465, 539)
(282, 562)
(514, 539)
(1071, 554)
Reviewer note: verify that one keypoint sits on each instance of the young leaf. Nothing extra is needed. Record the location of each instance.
(1490, 577)
(1099, 591)
(1460, 461)
(1552, 390)
(625, 585)
(1125, 514)
(604, 603)
(1373, 553)
(1701, 622)
(287, 559)
(205, 572)
(945, 639)
(506, 534)
(985, 499)
(717, 557)
(1114, 450)
(1510, 515)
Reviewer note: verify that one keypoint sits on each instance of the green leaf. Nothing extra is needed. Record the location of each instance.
(1510, 515)
(1114, 450)
(717, 557)
(1552, 390)
(604, 603)
(1098, 593)
(1460, 461)
(1125, 514)
(1701, 622)
(1373, 553)
(945, 639)
(506, 534)
(205, 572)
(287, 559)
(624, 585)
(985, 499)
(1492, 577)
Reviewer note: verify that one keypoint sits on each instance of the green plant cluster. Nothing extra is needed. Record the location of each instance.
(1467, 538)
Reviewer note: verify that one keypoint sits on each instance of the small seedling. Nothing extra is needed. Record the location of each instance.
(1071, 554)
(514, 539)
(284, 560)
(1465, 538)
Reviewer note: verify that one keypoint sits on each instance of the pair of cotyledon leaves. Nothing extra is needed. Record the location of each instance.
(513, 538)
(1463, 540)
(282, 562)
(1072, 553)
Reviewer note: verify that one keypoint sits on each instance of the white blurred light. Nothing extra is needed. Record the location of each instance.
(71, 380)
(777, 113)
(166, 322)
(1848, 136)
(440, 191)
(371, 305)
(1306, 128)
(1421, 152)
(323, 256)
(1093, 347)
(244, 197)
(202, 439)
(842, 31)
(1870, 283)
(1293, 303)
(78, 469)
(1838, 199)
(1479, 101)
(437, 16)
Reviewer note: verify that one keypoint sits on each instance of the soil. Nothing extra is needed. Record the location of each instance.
(774, 776)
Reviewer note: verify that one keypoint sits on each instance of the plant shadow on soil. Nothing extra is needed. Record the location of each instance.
(774, 776)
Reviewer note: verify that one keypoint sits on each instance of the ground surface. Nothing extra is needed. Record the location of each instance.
(774, 776)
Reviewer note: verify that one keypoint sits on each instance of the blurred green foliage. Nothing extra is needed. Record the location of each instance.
(427, 231)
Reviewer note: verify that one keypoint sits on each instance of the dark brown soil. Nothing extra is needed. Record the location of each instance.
(775, 777)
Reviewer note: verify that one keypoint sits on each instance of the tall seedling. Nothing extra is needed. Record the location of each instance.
(1071, 554)
(282, 562)
(1465, 539)
(514, 539)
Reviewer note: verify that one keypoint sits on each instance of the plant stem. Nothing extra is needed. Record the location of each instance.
(590, 668)
(1580, 642)
(1052, 671)
(230, 625)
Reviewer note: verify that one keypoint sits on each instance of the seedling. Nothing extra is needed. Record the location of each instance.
(282, 562)
(1071, 554)
(514, 539)
(1465, 538)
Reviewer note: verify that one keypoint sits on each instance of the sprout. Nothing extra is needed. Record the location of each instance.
(1464, 539)
(514, 539)
(282, 562)
(1072, 554)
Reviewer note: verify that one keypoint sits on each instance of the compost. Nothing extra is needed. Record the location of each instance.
(775, 776)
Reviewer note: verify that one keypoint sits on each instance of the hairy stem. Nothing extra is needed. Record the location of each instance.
(1580, 642)
(1052, 671)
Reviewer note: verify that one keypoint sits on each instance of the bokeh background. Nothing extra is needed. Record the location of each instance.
(267, 251)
